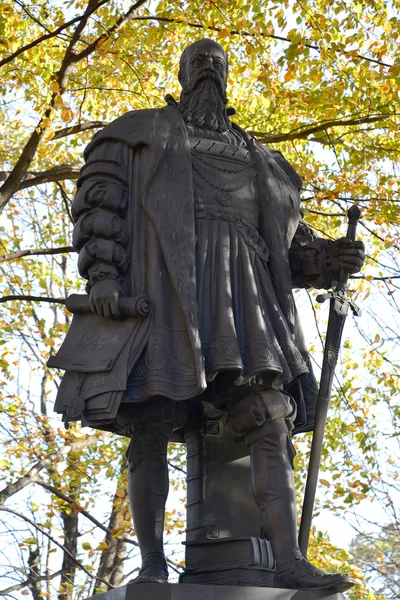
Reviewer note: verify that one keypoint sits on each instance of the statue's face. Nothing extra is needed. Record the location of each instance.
(203, 74)
(206, 61)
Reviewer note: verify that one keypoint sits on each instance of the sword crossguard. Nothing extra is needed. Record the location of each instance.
(356, 310)
(321, 298)
(342, 301)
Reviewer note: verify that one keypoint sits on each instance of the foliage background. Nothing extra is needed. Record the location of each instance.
(318, 80)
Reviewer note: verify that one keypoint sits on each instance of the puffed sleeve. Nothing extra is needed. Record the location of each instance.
(310, 261)
(99, 210)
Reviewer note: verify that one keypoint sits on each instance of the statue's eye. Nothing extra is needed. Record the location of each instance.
(197, 60)
(218, 62)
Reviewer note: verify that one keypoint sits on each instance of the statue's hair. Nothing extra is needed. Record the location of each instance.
(205, 42)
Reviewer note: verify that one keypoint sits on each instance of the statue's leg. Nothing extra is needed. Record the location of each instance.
(148, 486)
(266, 429)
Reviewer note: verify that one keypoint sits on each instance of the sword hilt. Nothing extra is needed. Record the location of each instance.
(353, 214)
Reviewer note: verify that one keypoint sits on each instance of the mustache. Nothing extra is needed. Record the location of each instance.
(210, 75)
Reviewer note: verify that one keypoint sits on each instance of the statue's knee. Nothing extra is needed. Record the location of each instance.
(148, 450)
(258, 412)
(265, 420)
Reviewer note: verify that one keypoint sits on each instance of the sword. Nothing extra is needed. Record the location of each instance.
(338, 309)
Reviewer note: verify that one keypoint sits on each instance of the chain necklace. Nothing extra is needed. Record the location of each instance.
(223, 196)
(233, 171)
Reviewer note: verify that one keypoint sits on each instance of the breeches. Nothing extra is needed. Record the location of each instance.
(253, 412)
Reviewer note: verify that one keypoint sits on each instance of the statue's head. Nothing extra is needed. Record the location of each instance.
(201, 60)
(203, 75)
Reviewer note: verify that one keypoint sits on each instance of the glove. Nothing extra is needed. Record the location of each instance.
(345, 255)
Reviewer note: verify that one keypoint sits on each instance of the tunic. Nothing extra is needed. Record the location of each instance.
(241, 326)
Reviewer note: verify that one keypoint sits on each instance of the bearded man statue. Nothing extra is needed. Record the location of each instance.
(183, 206)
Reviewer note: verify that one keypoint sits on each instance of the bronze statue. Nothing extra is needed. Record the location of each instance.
(180, 206)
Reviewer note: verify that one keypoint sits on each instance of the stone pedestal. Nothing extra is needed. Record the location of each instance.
(172, 591)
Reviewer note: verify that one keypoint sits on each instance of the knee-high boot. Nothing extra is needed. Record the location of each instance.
(274, 492)
(148, 492)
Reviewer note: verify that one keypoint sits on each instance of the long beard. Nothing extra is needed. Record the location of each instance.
(204, 106)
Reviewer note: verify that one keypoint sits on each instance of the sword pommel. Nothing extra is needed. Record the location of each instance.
(353, 214)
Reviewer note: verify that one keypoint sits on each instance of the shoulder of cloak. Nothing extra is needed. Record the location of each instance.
(286, 167)
(275, 155)
(152, 126)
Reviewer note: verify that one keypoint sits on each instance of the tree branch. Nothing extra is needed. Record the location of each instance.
(319, 212)
(306, 130)
(182, 21)
(70, 57)
(78, 129)
(66, 201)
(35, 252)
(86, 514)
(48, 299)
(13, 181)
(45, 533)
(38, 41)
(22, 482)
(19, 586)
(59, 173)
(120, 22)
(386, 278)
(79, 509)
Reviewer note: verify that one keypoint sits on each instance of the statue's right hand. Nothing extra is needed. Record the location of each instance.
(104, 298)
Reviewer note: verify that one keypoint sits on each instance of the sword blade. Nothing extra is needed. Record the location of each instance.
(338, 309)
(331, 353)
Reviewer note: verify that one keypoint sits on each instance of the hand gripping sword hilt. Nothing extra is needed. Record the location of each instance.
(340, 294)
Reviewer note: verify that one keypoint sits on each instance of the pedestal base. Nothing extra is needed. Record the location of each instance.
(173, 591)
(230, 561)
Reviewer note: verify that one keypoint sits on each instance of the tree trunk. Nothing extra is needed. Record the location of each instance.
(111, 566)
(70, 526)
(33, 583)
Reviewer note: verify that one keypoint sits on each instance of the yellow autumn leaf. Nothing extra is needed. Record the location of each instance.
(58, 101)
(48, 135)
(102, 546)
(223, 33)
(31, 541)
(120, 493)
(67, 115)
(125, 524)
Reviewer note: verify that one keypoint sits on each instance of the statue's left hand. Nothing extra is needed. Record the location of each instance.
(347, 256)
